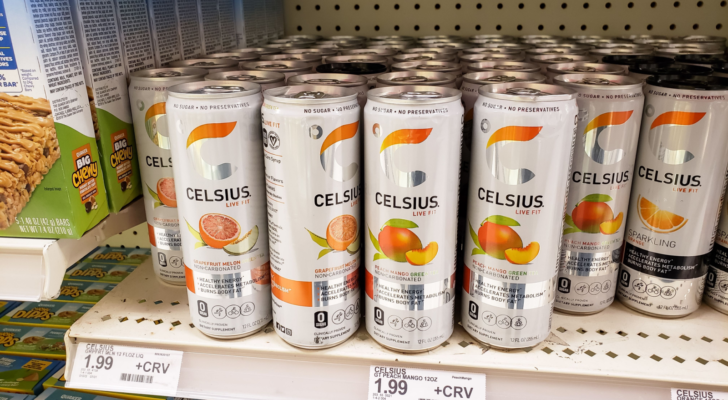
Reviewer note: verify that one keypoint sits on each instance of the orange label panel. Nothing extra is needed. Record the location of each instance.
(292, 292)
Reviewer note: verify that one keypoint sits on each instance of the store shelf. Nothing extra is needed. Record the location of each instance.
(32, 269)
(597, 357)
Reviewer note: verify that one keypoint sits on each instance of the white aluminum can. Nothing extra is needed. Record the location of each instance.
(148, 96)
(358, 83)
(554, 70)
(287, 68)
(312, 166)
(266, 79)
(216, 147)
(602, 171)
(679, 182)
(523, 135)
(411, 207)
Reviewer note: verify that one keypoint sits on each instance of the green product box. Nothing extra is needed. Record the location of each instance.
(103, 67)
(51, 180)
(58, 381)
(25, 374)
(6, 306)
(47, 314)
(84, 292)
(32, 342)
(98, 272)
(111, 255)
(15, 396)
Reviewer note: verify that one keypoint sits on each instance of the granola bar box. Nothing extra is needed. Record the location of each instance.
(98, 272)
(32, 341)
(118, 255)
(47, 314)
(84, 292)
(100, 47)
(51, 181)
(25, 374)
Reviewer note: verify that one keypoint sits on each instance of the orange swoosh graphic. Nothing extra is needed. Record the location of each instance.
(156, 109)
(405, 136)
(517, 133)
(341, 133)
(209, 131)
(677, 118)
(610, 118)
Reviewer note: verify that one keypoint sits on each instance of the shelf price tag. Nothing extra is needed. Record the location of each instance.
(690, 394)
(394, 383)
(125, 369)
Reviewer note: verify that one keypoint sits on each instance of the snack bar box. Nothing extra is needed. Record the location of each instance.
(118, 255)
(32, 341)
(47, 314)
(25, 375)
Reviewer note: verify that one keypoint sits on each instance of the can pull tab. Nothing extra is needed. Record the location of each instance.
(416, 78)
(276, 66)
(501, 79)
(203, 64)
(597, 81)
(525, 91)
(581, 68)
(507, 67)
(220, 89)
(323, 82)
(241, 77)
(309, 95)
(166, 74)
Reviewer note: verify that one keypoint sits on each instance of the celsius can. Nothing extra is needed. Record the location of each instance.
(399, 58)
(313, 168)
(241, 58)
(265, 79)
(357, 83)
(523, 136)
(211, 65)
(216, 147)
(676, 194)
(546, 60)
(148, 96)
(257, 50)
(436, 66)
(503, 66)
(370, 71)
(491, 50)
(601, 53)
(610, 112)
(467, 59)
(387, 53)
(628, 61)
(313, 60)
(554, 70)
(411, 208)
(716, 292)
(421, 78)
(287, 68)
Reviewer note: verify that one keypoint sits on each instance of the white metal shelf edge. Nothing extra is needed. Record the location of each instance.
(33, 269)
(594, 356)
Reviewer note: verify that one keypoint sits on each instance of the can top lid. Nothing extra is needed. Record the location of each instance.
(213, 89)
(562, 58)
(492, 50)
(704, 38)
(292, 57)
(707, 59)
(526, 91)
(205, 63)
(670, 69)
(491, 77)
(475, 57)
(441, 66)
(310, 94)
(356, 68)
(554, 50)
(369, 52)
(577, 67)
(278, 65)
(421, 57)
(504, 66)
(598, 81)
(689, 82)
(259, 50)
(322, 52)
(408, 78)
(249, 56)
(342, 80)
(357, 58)
(439, 50)
(622, 59)
(247, 76)
(414, 94)
(169, 74)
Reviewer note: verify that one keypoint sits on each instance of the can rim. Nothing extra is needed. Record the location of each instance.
(444, 77)
(628, 60)
(625, 82)
(272, 77)
(476, 77)
(144, 74)
(251, 56)
(483, 66)
(496, 91)
(444, 66)
(259, 50)
(182, 91)
(605, 68)
(349, 94)
(292, 66)
(293, 81)
(377, 94)
(218, 63)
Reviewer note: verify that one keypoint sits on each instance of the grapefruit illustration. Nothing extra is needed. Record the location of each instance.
(611, 227)
(658, 220)
(523, 255)
(341, 232)
(244, 244)
(588, 215)
(422, 256)
(218, 230)
(165, 192)
(495, 236)
(396, 242)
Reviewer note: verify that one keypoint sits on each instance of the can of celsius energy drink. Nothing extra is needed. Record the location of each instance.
(716, 293)
(523, 136)
(676, 194)
(216, 147)
(357, 83)
(148, 96)
(211, 65)
(265, 79)
(411, 207)
(312, 167)
(610, 112)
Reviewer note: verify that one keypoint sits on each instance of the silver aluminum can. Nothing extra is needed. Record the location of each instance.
(216, 142)
(388, 46)
(358, 83)
(716, 290)
(540, 37)
(549, 59)
(148, 97)
(601, 53)
(441, 37)
(358, 58)
(411, 207)
(287, 68)
(503, 66)
(259, 50)
(703, 40)
(451, 45)
(653, 41)
(639, 37)
(576, 46)
(495, 50)
(596, 42)
(239, 57)
(349, 38)
(313, 60)
(610, 112)
(265, 79)
(467, 59)
(420, 78)
(423, 57)
(211, 65)
(478, 42)
(515, 215)
(554, 50)
(340, 44)
(628, 46)
(676, 195)
(554, 70)
(321, 52)
(287, 41)
(311, 135)
(438, 50)
(388, 53)
(436, 66)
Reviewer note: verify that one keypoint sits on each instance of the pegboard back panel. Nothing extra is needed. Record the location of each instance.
(511, 17)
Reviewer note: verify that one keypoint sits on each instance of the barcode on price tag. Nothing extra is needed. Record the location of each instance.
(398, 383)
(691, 394)
(125, 369)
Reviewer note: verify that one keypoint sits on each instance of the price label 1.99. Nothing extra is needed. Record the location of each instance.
(397, 383)
(125, 369)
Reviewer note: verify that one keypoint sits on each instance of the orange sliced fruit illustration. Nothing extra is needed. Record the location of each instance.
(611, 227)
(523, 255)
(218, 230)
(658, 220)
(165, 192)
(341, 232)
(422, 256)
